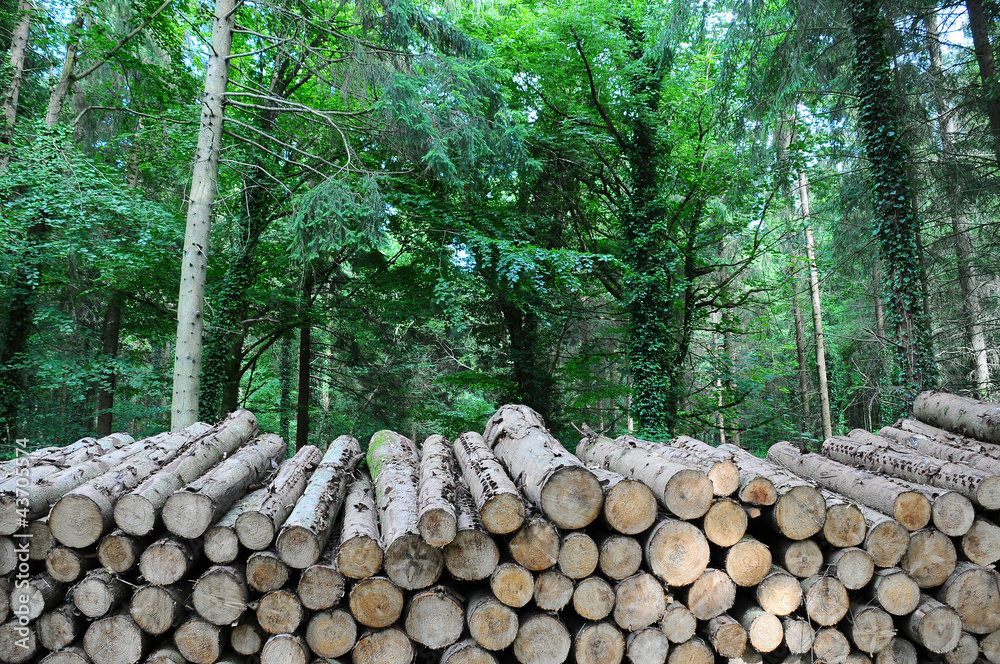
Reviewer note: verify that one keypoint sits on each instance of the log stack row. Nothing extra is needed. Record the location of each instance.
(208, 545)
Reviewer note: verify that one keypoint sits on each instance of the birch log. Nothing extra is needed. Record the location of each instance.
(167, 560)
(115, 640)
(221, 543)
(436, 516)
(256, 527)
(686, 492)
(321, 586)
(712, 594)
(280, 612)
(629, 505)
(620, 556)
(383, 646)
(555, 481)
(119, 552)
(764, 630)
(578, 555)
(721, 472)
(598, 643)
(359, 554)
(678, 624)
(31, 598)
(307, 530)
(845, 522)
(220, 595)
(826, 599)
(725, 523)
(331, 633)
(265, 572)
(593, 598)
(853, 566)
(541, 639)
(98, 594)
(910, 508)
(375, 602)
(473, 554)
(410, 562)
(968, 417)
(930, 558)
(494, 493)
(60, 627)
(934, 625)
(647, 646)
(886, 539)
(137, 512)
(870, 628)
(895, 591)
(553, 590)
(915, 443)
(779, 592)
(948, 437)
(492, 623)
(158, 609)
(435, 617)
(189, 512)
(466, 651)
(512, 584)
(728, 638)
(535, 545)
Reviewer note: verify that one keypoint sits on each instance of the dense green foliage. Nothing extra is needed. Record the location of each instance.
(429, 209)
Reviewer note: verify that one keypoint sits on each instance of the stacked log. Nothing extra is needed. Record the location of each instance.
(507, 547)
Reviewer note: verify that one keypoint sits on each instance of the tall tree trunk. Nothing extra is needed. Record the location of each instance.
(532, 379)
(967, 280)
(109, 336)
(817, 307)
(285, 382)
(18, 45)
(204, 183)
(57, 98)
(894, 223)
(305, 356)
(979, 25)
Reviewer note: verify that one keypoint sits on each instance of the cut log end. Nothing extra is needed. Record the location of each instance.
(779, 592)
(471, 556)
(800, 513)
(620, 557)
(572, 497)
(845, 525)
(114, 640)
(896, 592)
(725, 523)
(728, 638)
(542, 639)
(913, 510)
(360, 557)
(156, 609)
(981, 544)
(689, 494)
(467, 651)
(321, 587)
(266, 572)
(598, 643)
(578, 555)
(413, 564)
(725, 478)
(536, 545)
(677, 552)
(512, 584)
(887, 542)
(199, 641)
(502, 514)
(630, 507)
(826, 600)
(331, 633)
(284, 649)
(854, 567)
(678, 624)
(748, 562)
(711, 595)
(593, 598)
(437, 527)
(759, 491)
(953, 514)
(765, 632)
(803, 558)
(298, 547)
(492, 624)
(974, 592)
(692, 651)
(220, 595)
(188, 514)
(76, 521)
(118, 552)
(830, 645)
(254, 530)
(435, 618)
(930, 558)
(799, 636)
(376, 602)
(221, 545)
(646, 646)
(639, 602)
(871, 629)
(553, 590)
(384, 646)
(135, 515)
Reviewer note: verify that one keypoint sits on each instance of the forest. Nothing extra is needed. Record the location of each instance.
(745, 222)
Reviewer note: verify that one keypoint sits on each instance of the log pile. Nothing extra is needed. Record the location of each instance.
(208, 545)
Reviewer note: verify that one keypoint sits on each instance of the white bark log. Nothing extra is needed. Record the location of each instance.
(496, 497)
(360, 554)
(257, 527)
(436, 492)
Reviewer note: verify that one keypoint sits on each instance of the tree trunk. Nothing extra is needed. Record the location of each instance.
(968, 417)
(410, 562)
(554, 480)
(593, 598)
(712, 594)
(360, 555)
(190, 511)
(980, 28)
(436, 493)
(109, 351)
(376, 602)
(331, 633)
(894, 223)
(257, 527)
(285, 386)
(204, 184)
(307, 530)
(303, 391)
(817, 309)
(473, 554)
(67, 75)
(686, 492)
(18, 46)
(910, 508)
(542, 639)
(496, 497)
(915, 443)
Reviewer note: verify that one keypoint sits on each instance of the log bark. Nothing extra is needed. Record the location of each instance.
(803, 558)
(593, 598)
(647, 646)
(870, 628)
(8, 555)
(435, 617)
(436, 516)
(284, 649)
(779, 592)
(553, 590)
(119, 552)
(853, 566)
(167, 560)
(189, 512)
(492, 623)
(220, 595)
(685, 492)
(257, 526)
(910, 508)
(383, 646)
(410, 562)
(990, 647)
(137, 512)
(199, 641)
(80, 517)
(826, 599)
(41, 594)
(830, 645)
(98, 594)
(934, 625)
(280, 612)
(598, 643)
(494, 493)
(799, 635)
(158, 609)
(59, 628)
(68, 565)
(5, 586)
(886, 539)
(691, 453)
(800, 510)
(747, 562)
(949, 437)
(728, 638)
(930, 558)
(376, 602)
(307, 530)
(265, 571)
(535, 545)
(764, 630)
(552, 479)
(914, 443)
(678, 624)
(692, 651)
(115, 640)
(359, 555)
(711, 595)
(979, 486)
(981, 544)
(968, 417)
(48, 460)
(331, 633)
(725, 523)
(974, 592)
(629, 505)
(578, 555)
(676, 552)
(512, 584)
(321, 586)
(466, 651)
(895, 591)
(620, 556)
(473, 554)
(541, 639)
